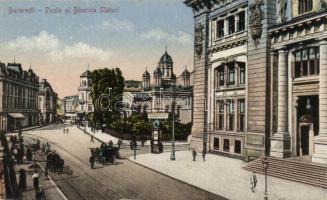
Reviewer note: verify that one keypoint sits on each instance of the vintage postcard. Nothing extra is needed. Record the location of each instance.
(163, 99)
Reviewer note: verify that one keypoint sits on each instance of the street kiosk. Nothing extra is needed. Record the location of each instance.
(156, 139)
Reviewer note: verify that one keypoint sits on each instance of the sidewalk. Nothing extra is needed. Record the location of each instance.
(51, 190)
(225, 177)
(104, 137)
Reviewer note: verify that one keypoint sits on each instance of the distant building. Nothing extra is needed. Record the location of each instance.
(47, 103)
(71, 104)
(18, 97)
(157, 96)
(84, 96)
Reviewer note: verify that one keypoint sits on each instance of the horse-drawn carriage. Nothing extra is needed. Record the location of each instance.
(106, 154)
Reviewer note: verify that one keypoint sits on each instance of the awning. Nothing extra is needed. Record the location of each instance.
(17, 115)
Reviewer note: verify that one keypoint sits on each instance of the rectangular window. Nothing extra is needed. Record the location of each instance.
(219, 115)
(241, 115)
(238, 146)
(231, 24)
(231, 75)
(306, 62)
(216, 143)
(305, 6)
(230, 115)
(226, 145)
(221, 76)
(241, 21)
(242, 75)
(220, 28)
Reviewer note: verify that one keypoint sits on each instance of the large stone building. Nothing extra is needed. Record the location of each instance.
(156, 95)
(18, 97)
(260, 77)
(47, 103)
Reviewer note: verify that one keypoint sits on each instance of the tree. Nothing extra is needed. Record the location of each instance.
(107, 95)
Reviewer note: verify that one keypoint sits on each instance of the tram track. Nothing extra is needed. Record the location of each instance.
(94, 180)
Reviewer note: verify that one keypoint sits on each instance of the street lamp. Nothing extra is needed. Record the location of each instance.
(265, 163)
(172, 156)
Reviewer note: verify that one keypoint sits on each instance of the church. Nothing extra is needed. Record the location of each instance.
(154, 94)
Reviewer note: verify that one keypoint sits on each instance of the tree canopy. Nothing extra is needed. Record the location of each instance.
(107, 95)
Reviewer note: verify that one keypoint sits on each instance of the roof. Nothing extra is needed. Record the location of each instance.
(146, 74)
(85, 74)
(157, 71)
(186, 73)
(166, 58)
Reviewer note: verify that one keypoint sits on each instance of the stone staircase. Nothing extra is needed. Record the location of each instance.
(293, 170)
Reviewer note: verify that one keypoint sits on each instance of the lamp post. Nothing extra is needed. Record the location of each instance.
(172, 156)
(265, 163)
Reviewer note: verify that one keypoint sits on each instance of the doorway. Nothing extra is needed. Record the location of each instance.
(305, 140)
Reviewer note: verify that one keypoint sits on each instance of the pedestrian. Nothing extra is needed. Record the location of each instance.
(131, 145)
(67, 131)
(119, 143)
(204, 153)
(92, 160)
(47, 147)
(37, 144)
(56, 159)
(253, 181)
(64, 130)
(29, 155)
(35, 178)
(43, 149)
(46, 170)
(194, 154)
(61, 165)
(92, 139)
(22, 179)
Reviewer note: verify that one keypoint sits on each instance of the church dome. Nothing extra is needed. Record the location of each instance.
(157, 71)
(166, 58)
(146, 74)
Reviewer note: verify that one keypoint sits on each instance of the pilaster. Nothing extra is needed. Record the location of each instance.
(320, 141)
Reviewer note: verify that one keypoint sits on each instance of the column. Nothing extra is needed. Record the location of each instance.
(282, 122)
(320, 141)
(280, 141)
(235, 114)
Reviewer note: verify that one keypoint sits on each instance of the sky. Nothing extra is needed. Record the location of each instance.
(60, 44)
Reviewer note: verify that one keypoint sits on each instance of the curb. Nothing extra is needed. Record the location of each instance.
(125, 140)
(53, 183)
(194, 186)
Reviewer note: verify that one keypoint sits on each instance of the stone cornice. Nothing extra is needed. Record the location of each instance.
(299, 30)
(228, 44)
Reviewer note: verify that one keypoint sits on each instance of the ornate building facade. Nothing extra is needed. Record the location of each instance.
(263, 80)
(19, 97)
(47, 101)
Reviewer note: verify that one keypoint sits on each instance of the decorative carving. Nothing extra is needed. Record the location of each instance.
(282, 10)
(256, 18)
(198, 40)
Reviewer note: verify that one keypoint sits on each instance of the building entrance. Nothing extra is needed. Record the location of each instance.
(307, 123)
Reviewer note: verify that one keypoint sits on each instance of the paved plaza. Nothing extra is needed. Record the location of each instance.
(225, 176)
